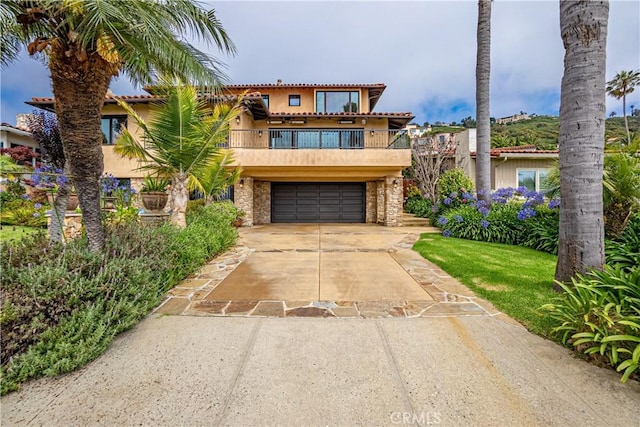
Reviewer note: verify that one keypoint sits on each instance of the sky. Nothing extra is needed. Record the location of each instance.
(424, 51)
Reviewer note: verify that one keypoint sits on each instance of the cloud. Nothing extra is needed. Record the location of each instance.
(425, 51)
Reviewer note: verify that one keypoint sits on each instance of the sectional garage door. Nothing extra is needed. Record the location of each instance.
(317, 202)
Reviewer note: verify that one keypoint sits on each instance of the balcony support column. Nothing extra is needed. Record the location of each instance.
(393, 201)
(243, 199)
(371, 215)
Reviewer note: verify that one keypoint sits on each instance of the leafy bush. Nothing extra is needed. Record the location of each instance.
(600, 317)
(419, 206)
(62, 305)
(453, 181)
(625, 251)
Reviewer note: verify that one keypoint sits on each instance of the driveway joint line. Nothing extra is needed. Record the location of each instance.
(394, 365)
(236, 377)
(526, 348)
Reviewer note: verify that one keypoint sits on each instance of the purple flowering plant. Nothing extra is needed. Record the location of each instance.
(49, 178)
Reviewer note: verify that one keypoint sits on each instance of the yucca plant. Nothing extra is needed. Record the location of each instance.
(183, 140)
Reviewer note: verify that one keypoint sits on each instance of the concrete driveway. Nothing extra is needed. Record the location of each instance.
(383, 364)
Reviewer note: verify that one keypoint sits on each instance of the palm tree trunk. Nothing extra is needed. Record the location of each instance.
(483, 72)
(624, 113)
(179, 199)
(79, 99)
(583, 26)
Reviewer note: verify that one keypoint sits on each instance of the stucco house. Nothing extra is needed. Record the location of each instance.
(308, 152)
(18, 136)
(519, 166)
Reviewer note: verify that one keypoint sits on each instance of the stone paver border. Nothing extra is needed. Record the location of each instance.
(450, 297)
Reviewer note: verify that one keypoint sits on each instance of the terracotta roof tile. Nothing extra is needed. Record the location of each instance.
(312, 114)
(305, 85)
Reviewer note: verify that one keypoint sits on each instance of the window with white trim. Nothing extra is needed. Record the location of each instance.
(533, 179)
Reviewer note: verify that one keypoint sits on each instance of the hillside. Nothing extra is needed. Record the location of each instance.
(542, 131)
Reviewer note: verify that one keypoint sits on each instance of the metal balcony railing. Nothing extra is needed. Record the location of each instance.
(300, 139)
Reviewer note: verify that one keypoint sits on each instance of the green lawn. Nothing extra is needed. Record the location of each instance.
(516, 280)
(13, 232)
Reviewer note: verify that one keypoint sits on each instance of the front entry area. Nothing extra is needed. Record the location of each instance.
(318, 202)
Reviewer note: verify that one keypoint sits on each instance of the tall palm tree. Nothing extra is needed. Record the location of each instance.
(483, 71)
(85, 44)
(183, 141)
(583, 26)
(620, 86)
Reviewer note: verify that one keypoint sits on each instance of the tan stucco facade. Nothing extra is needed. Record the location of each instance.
(371, 162)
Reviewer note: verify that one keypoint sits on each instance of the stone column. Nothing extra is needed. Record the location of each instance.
(243, 199)
(393, 201)
(371, 215)
(261, 202)
(380, 202)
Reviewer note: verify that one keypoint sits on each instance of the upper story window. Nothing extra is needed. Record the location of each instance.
(294, 100)
(337, 102)
(265, 98)
(112, 128)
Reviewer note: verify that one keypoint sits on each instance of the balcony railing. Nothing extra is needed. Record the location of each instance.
(300, 139)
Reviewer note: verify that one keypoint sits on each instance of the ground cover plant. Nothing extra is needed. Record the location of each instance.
(516, 280)
(62, 305)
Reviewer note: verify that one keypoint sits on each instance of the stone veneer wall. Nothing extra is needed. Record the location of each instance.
(261, 202)
(243, 199)
(371, 215)
(393, 201)
(380, 208)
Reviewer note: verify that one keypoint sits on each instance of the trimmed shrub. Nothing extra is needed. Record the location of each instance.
(62, 305)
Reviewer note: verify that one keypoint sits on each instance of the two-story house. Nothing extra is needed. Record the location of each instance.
(308, 152)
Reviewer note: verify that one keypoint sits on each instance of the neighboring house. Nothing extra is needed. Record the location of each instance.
(512, 119)
(455, 147)
(308, 152)
(17, 136)
(519, 166)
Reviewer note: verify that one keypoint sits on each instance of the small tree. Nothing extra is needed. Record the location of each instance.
(429, 157)
(620, 86)
(183, 140)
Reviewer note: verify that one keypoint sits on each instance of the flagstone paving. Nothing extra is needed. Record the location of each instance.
(324, 271)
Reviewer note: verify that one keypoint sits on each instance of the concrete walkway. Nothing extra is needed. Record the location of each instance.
(455, 366)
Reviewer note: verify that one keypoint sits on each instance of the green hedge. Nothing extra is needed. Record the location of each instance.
(62, 306)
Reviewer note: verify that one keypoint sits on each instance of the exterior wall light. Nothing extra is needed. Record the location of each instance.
(260, 133)
(241, 183)
(237, 120)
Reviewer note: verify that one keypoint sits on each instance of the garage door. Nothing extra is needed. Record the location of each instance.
(317, 202)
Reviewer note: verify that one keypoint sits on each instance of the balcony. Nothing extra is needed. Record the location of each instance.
(320, 154)
(299, 139)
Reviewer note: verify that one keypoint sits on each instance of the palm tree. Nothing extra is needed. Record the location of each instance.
(183, 141)
(483, 70)
(583, 26)
(620, 86)
(85, 44)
